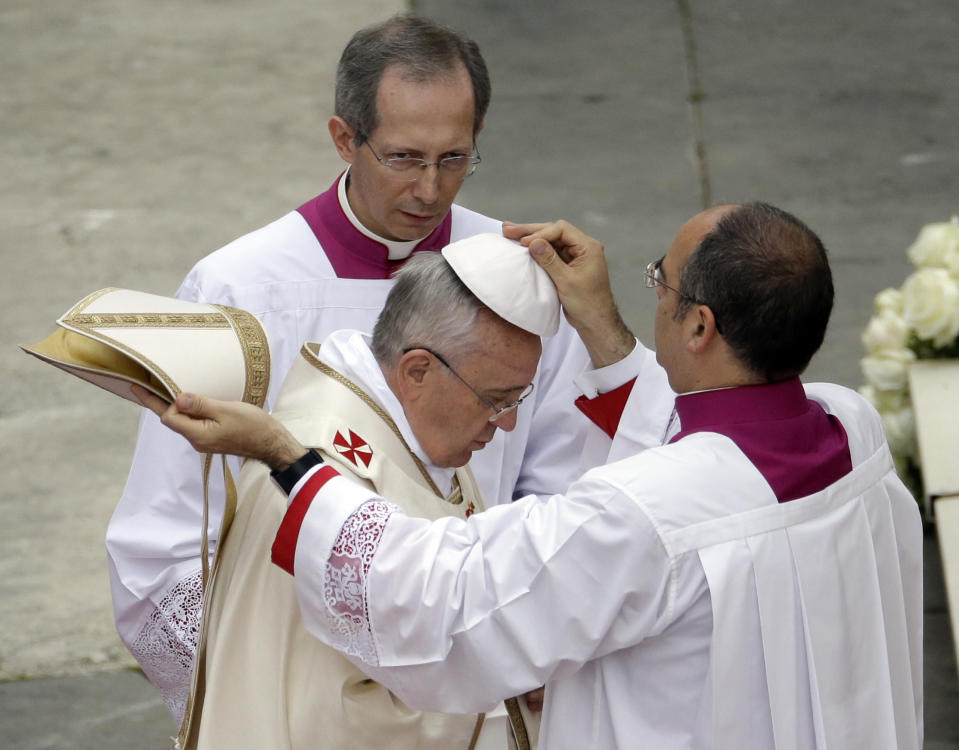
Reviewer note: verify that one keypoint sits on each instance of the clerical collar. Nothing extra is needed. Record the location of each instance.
(797, 447)
(703, 410)
(396, 249)
(354, 251)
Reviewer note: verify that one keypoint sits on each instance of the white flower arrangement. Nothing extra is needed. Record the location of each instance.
(920, 320)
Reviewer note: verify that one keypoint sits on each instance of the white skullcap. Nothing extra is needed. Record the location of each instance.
(501, 273)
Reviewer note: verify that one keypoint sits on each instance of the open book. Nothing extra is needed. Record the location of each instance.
(116, 337)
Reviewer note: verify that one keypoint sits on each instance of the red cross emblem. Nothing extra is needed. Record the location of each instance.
(353, 449)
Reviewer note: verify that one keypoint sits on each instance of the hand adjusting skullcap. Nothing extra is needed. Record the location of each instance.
(505, 278)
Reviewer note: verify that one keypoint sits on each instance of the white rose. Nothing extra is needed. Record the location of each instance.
(937, 246)
(888, 370)
(884, 401)
(889, 299)
(886, 330)
(900, 429)
(930, 306)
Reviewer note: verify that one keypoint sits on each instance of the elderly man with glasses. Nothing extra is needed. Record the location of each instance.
(403, 420)
(410, 101)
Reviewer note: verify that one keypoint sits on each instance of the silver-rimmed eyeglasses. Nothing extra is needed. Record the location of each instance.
(409, 168)
(498, 411)
(654, 278)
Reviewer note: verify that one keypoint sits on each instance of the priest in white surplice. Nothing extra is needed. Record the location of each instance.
(753, 583)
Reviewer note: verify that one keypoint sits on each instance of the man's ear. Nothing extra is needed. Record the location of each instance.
(699, 327)
(344, 138)
(413, 374)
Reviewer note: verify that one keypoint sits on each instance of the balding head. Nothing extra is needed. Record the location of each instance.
(766, 278)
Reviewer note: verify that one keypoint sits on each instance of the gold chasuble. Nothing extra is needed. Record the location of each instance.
(268, 682)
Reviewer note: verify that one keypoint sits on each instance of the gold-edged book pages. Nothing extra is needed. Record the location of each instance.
(117, 337)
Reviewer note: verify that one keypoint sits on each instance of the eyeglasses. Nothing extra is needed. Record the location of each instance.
(498, 411)
(654, 278)
(409, 168)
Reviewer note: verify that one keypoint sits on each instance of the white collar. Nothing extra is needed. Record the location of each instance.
(396, 249)
(348, 352)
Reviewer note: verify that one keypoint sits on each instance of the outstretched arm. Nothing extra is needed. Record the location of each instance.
(577, 265)
(230, 427)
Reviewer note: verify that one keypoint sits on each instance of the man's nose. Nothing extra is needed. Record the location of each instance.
(427, 186)
(507, 421)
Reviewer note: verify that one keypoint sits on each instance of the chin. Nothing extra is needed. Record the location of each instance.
(453, 462)
(460, 459)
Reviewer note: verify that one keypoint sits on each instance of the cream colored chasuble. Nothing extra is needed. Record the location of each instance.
(268, 683)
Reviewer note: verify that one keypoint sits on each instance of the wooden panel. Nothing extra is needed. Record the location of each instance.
(935, 399)
(947, 529)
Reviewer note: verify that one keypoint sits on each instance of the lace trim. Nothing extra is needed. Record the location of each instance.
(166, 646)
(344, 579)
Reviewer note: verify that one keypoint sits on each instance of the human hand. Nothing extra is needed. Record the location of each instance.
(232, 427)
(576, 263)
(534, 699)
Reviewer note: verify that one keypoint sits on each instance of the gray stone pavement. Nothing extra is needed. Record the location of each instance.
(136, 137)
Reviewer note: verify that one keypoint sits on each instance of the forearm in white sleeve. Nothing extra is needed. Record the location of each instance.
(643, 421)
(453, 615)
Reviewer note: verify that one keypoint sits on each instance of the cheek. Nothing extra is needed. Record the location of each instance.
(389, 193)
(448, 191)
(379, 192)
(658, 325)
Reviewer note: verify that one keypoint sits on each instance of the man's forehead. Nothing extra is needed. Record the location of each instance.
(424, 114)
(506, 361)
(694, 231)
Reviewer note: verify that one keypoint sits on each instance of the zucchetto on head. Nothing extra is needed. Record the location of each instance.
(501, 273)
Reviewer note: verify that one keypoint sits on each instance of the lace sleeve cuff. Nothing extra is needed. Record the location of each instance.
(331, 532)
(345, 580)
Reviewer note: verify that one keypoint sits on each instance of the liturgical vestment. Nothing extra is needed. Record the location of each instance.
(268, 682)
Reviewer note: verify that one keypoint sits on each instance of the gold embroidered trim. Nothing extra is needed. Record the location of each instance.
(256, 353)
(456, 496)
(380, 412)
(249, 333)
(149, 320)
(517, 723)
(480, 718)
(87, 301)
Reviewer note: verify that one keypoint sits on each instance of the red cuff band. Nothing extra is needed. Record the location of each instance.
(606, 409)
(284, 545)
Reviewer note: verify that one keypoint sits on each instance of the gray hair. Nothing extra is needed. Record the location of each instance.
(428, 307)
(426, 51)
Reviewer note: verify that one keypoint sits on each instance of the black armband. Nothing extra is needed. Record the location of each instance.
(293, 473)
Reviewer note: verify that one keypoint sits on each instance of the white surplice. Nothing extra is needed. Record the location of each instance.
(667, 600)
